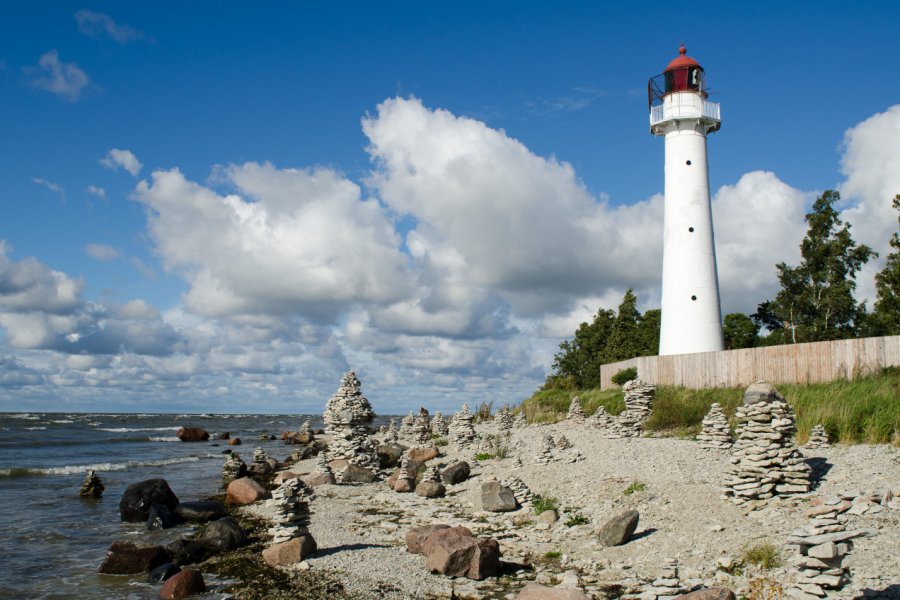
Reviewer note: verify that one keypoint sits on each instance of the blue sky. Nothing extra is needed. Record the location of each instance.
(222, 207)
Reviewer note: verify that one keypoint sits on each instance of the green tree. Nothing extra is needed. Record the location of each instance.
(887, 286)
(739, 331)
(648, 332)
(578, 361)
(816, 299)
(624, 339)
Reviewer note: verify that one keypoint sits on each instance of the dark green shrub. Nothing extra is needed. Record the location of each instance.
(624, 376)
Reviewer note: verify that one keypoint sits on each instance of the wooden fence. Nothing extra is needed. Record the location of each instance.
(792, 363)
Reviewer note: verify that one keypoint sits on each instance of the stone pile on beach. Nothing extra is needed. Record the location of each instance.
(601, 419)
(348, 416)
(520, 419)
(521, 491)
(576, 412)
(818, 438)
(545, 454)
(431, 485)
(822, 545)
(323, 475)
(505, 420)
(765, 460)
(563, 443)
(390, 432)
(406, 481)
(291, 540)
(422, 427)
(408, 426)
(234, 468)
(92, 487)
(638, 405)
(462, 431)
(439, 424)
(715, 433)
(666, 585)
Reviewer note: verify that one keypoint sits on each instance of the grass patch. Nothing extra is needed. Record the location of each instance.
(862, 410)
(636, 486)
(552, 556)
(441, 442)
(544, 503)
(766, 556)
(577, 519)
(484, 456)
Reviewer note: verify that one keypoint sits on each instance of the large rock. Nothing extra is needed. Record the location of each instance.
(161, 517)
(412, 468)
(356, 474)
(416, 536)
(422, 454)
(201, 512)
(760, 392)
(234, 441)
(389, 455)
(431, 489)
(535, 591)
(289, 552)
(162, 573)
(456, 473)
(316, 479)
(713, 593)
(456, 553)
(139, 497)
(283, 476)
(404, 485)
(224, 534)
(184, 584)
(496, 497)
(619, 529)
(126, 558)
(245, 491)
(192, 434)
(189, 551)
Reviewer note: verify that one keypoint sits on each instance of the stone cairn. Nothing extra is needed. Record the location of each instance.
(439, 424)
(348, 415)
(818, 438)
(323, 468)
(667, 584)
(234, 468)
(92, 487)
(259, 456)
(765, 460)
(305, 429)
(545, 454)
(601, 419)
(638, 405)
(715, 433)
(821, 547)
(408, 426)
(462, 432)
(505, 419)
(576, 412)
(390, 433)
(521, 491)
(563, 443)
(422, 427)
(291, 515)
(406, 481)
(520, 420)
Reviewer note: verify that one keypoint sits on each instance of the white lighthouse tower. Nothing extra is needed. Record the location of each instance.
(680, 111)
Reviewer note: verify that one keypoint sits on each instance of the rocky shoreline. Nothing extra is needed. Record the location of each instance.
(601, 516)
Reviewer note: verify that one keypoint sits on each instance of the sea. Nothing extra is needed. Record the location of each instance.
(52, 540)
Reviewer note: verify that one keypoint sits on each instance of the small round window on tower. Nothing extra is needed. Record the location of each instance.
(691, 229)
(693, 297)
(688, 163)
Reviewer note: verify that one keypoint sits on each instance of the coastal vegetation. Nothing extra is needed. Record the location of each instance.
(862, 410)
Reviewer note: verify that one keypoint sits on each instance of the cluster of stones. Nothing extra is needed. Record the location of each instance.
(520, 419)
(259, 456)
(292, 541)
(408, 426)
(462, 431)
(92, 487)
(422, 427)
(431, 485)
(765, 460)
(390, 432)
(715, 433)
(305, 429)
(234, 468)
(406, 481)
(545, 454)
(323, 475)
(667, 584)
(822, 545)
(563, 443)
(818, 438)
(439, 424)
(348, 415)
(601, 419)
(521, 491)
(638, 405)
(505, 419)
(576, 412)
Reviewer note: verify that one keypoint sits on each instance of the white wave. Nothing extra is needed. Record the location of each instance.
(63, 421)
(130, 429)
(164, 439)
(34, 428)
(27, 416)
(72, 469)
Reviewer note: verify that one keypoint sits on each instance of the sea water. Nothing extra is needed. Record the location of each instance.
(52, 540)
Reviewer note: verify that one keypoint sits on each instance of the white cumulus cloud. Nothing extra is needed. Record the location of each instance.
(66, 80)
(125, 159)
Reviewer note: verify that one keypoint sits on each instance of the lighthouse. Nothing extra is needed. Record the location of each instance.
(681, 113)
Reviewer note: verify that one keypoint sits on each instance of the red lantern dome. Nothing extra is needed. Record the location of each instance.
(683, 61)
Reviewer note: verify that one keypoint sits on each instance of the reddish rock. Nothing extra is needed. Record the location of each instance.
(289, 552)
(412, 468)
(404, 486)
(713, 593)
(234, 441)
(317, 479)
(456, 553)
(181, 585)
(125, 558)
(356, 474)
(431, 489)
(423, 454)
(416, 536)
(245, 491)
(224, 435)
(535, 591)
(192, 434)
(283, 476)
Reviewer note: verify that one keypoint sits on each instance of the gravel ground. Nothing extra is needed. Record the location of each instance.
(360, 528)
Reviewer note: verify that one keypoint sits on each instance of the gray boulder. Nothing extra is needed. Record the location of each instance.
(619, 529)
(456, 473)
(224, 534)
(496, 497)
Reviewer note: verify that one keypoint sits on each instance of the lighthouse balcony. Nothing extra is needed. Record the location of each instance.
(684, 106)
